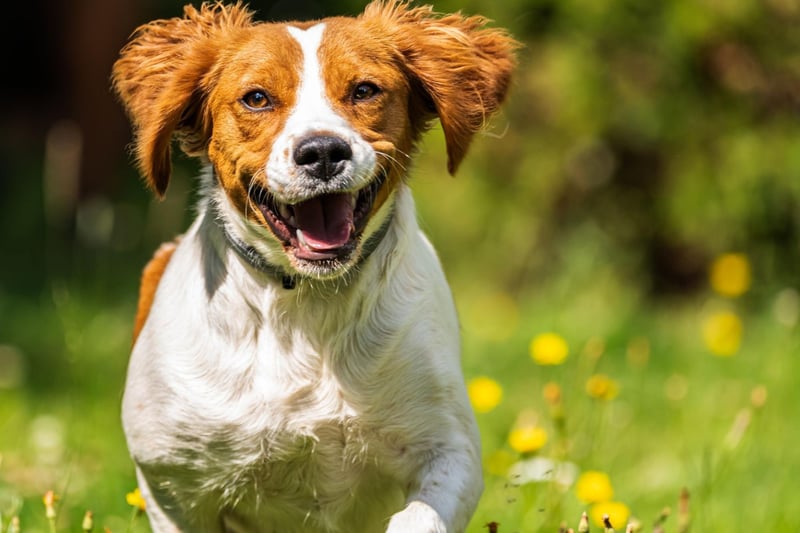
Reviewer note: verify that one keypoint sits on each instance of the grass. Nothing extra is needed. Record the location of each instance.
(682, 418)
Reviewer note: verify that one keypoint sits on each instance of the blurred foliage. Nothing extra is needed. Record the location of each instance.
(652, 135)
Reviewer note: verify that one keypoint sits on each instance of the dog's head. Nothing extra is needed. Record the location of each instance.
(309, 127)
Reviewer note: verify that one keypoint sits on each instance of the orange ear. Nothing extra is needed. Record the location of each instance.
(162, 78)
(463, 67)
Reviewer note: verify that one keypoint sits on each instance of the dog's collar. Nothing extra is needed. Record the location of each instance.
(289, 281)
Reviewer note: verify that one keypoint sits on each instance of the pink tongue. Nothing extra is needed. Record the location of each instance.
(326, 221)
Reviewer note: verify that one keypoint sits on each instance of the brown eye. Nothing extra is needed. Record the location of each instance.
(257, 100)
(365, 91)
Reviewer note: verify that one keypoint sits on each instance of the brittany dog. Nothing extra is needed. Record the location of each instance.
(296, 362)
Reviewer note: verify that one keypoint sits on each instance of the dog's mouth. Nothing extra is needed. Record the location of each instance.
(321, 228)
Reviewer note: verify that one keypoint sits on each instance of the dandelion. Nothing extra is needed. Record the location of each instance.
(634, 525)
(527, 439)
(552, 395)
(49, 499)
(583, 525)
(617, 513)
(551, 392)
(722, 333)
(607, 524)
(602, 387)
(88, 522)
(484, 393)
(594, 486)
(684, 516)
(549, 349)
(135, 499)
(730, 275)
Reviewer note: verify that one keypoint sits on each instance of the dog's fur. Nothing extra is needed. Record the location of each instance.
(296, 356)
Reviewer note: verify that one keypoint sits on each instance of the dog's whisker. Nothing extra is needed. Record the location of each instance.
(395, 162)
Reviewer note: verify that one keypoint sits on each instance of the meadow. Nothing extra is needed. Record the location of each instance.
(622, 244)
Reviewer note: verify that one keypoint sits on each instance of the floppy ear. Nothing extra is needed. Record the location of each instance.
(462, 68)
(162, 78)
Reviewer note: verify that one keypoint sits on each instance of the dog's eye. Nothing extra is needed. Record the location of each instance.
(365, 91)
(257, 100)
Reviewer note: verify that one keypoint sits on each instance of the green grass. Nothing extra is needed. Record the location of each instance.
(667, 429)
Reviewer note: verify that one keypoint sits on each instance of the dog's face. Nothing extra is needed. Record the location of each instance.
(309, 127)
(318, 137)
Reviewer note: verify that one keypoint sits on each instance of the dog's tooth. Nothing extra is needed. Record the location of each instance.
(301, 239)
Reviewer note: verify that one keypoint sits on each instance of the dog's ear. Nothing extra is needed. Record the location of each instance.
(460, 68)
(162, 78)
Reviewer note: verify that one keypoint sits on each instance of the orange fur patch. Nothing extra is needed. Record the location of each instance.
(151, 275)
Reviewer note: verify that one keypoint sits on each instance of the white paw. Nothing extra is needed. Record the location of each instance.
(417, 517)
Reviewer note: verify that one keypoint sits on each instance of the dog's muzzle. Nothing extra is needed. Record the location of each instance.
(327, 225)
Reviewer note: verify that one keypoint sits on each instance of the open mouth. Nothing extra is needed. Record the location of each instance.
(323, 227)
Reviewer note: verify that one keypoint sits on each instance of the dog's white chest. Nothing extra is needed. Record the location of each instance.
(258, 423)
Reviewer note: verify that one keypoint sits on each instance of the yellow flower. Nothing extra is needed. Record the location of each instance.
(49, 499)
(552, 393)
(135, 499)
(593, 487)
(730, 275)
(549, 349)
(88, 522)
(617, 512)
(722, 333)
(602, 387)
(527, 439)
(484, 393)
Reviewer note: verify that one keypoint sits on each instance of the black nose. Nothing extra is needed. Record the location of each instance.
(323, 156)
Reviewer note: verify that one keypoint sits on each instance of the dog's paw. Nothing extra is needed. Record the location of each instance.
(417, 517)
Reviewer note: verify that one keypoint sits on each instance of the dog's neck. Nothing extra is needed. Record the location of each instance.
(252, 257)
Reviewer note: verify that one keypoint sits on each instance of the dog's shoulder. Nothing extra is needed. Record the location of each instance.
(151, 276)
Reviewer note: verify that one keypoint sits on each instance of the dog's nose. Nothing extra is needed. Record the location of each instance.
(322, 156)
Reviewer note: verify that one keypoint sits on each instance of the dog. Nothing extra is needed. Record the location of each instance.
(296, 357)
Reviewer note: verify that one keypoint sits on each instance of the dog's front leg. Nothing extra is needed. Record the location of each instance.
(164, 516)
(159, 521)
(445, 493)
